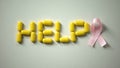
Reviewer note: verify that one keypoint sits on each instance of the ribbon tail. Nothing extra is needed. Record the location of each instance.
(101, 41)
(92, 41)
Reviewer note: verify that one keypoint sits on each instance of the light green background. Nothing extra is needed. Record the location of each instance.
(78, 55)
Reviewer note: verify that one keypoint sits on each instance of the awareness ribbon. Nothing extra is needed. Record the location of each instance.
(96, 30)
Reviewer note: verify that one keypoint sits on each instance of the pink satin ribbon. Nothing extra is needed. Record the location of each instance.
(96, 30)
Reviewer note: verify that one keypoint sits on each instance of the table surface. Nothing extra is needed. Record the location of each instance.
(58, 55)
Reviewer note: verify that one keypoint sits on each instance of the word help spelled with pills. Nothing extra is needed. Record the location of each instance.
(37, 32)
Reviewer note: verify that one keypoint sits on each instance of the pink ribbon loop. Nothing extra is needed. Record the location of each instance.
(96, 30)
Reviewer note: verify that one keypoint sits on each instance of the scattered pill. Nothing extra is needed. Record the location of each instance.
(57, 26)
(25, 32)
(64, 39)
(32, 27)
(80, 32)
(73, 37)
(40, 26)
(19, 26)
(19, 37)
(47, 40)
(79, 22)
(48, 22)
(40, 36)
(57, 36)
(47, 32)
(86, 27)
(72, 27)
(33, 37)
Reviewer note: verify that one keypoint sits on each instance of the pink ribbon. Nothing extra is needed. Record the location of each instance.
(96, 30)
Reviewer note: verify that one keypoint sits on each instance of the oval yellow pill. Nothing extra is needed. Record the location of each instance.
(79, 22)
(48, 22)
(64, 40)
(73, 37)
(57, 36)
(57, 26)
(47, 32)
(25, 32)
(80, 32)
(72, 27)
(19, 26)
(86, 27)
(40, 36)
(40, 26)
(19, 37)
(47, 40)
(33, 37)
(32, 27)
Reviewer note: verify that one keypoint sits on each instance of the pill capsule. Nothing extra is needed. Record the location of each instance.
(73, 37)
(79, 22)
(64, 39)
(40, 36)
(80, 32)
(57, 36)
(33, 37)
(72, 27)
(19, 37)
(40, 26)
(48, 22)
(47, 32)
(57, 26)
(25, 32)
(86, 27)
(32, 27)
(47, 40)
(19, 26)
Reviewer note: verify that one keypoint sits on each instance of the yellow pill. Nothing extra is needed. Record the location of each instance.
(40, 26)
(33, 37)
(48, 22)
(32, 27)
(57, 26)
(47, 32)
(19, 26)
(73, 37)
(19, 37)
(25, 32)
(57, 36)
(64, 40)
(79, 22)
(86, 27)
(47, 40)
(40, 36)
(72, 27)
(80, 32)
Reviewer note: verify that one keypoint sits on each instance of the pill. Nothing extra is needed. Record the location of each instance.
(47, 40)
(40, 36)
(64, 39)
(79, 22)
(40, 26)
(19, 26)
(72, 27)
(32, 27)
(73, 37)
(25, 32)
(57, 36)
(86, 27)
(57, 26)
(33, 37)
(48, 22)
(80, 32)
(47, 32)
(19, 37)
